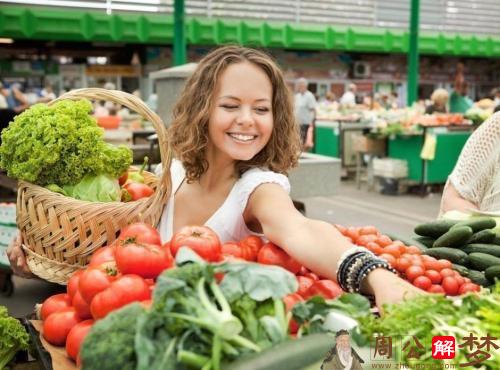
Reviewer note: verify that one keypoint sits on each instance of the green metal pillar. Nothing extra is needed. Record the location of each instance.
(179, 36)
(413, 53)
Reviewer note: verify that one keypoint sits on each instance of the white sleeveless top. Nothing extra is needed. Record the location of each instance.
(227, 221)
(476, 175)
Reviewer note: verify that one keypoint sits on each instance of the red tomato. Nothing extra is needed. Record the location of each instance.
(290, 301)
(72, 285)
(422, 282)
(468, 287)
(413, 250)
(200, 239)
(432, 264)
(368, 230)
(328, 289)
(447, 272)
(55, 303)
(271, 254)
(123, 178)
(76, 336)
(232, 249)
(137, 191)
(140, 232)
(353, 233)
(393, 249)
(450, 285)
(389, 258)
(312, 275)
(341, 229)
(145, 260)
(81, 307)
(434, 276)
(413, 272)
(445, 264)
(122, 291)
(58, 325)
(438, 289)
(304, 285)
(384, 240)
(254, 243)
(102, 255)
(95, 279)
(303, 271)
(402, 264)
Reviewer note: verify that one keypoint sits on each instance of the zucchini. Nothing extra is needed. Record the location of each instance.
(492, 273)
(424, 240)
(478, 223)
(451, 254)
(478, 277)
(290, 355)
(464, 271)
(454, 237)
(434, 229)
(484, 236)
(491, 249)
(482, 261)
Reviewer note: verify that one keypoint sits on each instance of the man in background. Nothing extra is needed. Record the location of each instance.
(459, 101)
(348, 100)
(305, 108)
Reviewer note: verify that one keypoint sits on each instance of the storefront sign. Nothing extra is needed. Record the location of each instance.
(113, 70)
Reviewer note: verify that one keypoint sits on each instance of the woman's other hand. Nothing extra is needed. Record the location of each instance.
(17, 259)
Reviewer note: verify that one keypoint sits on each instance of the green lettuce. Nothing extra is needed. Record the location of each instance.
(101, 188)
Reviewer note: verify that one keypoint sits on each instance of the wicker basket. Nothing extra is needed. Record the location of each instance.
(61, 233)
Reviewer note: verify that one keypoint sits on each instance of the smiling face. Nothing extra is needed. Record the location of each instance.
(241, 119)
(344, 342)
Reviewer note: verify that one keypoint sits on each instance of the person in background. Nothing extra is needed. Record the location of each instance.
(475, 180)
(439, 100)
(15, 98)
(46, 94)
(348, 99)
(496, 99)
(459, 101)
(305, 108)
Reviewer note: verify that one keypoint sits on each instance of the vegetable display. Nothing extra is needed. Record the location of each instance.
(59, 144)
(13, 337)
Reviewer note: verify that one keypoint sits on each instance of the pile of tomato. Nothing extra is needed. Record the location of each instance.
(424, 272)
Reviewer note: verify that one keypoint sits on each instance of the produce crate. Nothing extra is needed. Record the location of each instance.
(365, 144)
(390, 168)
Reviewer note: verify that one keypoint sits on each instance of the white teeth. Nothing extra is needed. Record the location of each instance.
(242, 137)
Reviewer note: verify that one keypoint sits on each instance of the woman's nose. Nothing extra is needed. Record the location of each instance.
(245, 117)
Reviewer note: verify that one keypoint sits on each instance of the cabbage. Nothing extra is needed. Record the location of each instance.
(100, 188)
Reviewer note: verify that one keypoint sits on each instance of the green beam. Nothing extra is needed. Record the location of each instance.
(43, 23)
(179, 34)
(413, 53)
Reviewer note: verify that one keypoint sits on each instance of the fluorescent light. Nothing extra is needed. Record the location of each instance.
(6, 41)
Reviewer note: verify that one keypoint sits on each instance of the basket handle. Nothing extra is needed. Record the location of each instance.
(134, 103)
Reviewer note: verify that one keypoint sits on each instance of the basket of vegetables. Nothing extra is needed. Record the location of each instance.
(69, 199)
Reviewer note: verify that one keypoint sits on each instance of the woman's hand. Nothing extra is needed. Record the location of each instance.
(388, 288)
(17, 259)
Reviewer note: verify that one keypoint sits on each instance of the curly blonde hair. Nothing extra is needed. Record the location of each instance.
(188, 134)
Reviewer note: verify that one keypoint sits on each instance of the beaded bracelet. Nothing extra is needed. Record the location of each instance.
(369, 267)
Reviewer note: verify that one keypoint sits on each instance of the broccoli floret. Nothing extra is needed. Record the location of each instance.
(110, 344)
(13, 337)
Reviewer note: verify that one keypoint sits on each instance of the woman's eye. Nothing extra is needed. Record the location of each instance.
(227, 106)
(262, 110)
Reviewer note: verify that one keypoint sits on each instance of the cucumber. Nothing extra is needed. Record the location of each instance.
(484, 236)
(424, 240)
(497, 239)
(291, 355)
(451, 254)
(434, 229)
(491, 249)
(464, 271)
(482, 261)
(492, 273)
(454, 237)
(478, 277)
(478, 223)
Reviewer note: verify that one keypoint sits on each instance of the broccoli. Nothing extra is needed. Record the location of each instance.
(13, 337)
(110, 345)
(59, 145)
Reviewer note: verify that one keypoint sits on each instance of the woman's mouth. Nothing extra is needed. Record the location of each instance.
(243, 138)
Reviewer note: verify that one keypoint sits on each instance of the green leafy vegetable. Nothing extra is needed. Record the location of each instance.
(59, 145)
(100, 188)
(13, 337)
